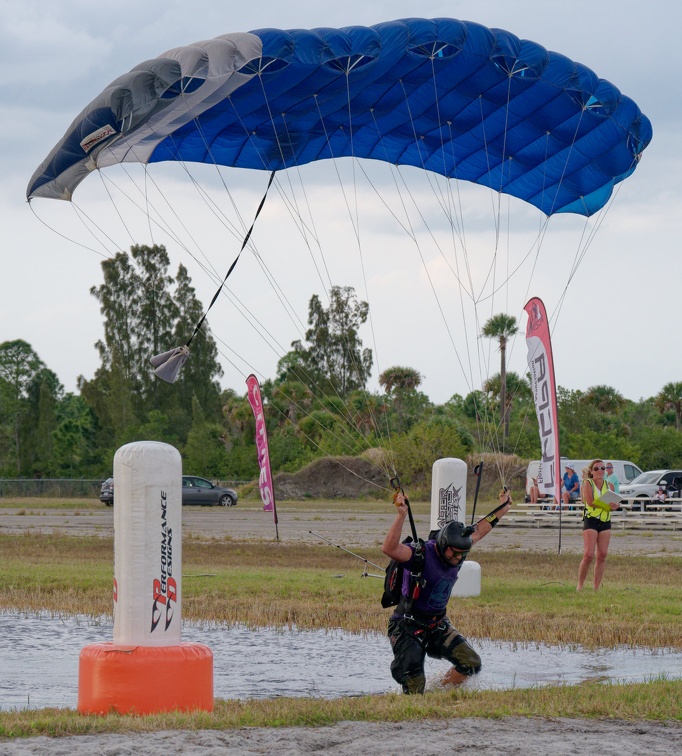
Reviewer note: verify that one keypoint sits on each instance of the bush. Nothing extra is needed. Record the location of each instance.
(416, 451)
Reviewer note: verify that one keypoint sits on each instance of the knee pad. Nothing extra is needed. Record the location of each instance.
(463, 658)
(412, 685)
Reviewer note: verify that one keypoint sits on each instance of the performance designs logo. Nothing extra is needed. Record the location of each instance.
(92, 140)
(165, 588)
(448, 504)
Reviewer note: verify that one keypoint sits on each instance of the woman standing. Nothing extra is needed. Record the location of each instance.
(596, 523)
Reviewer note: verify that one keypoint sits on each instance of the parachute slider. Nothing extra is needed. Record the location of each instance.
(167, 364)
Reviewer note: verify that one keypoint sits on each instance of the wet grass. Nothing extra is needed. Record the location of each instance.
(526, 597)
(658, 700)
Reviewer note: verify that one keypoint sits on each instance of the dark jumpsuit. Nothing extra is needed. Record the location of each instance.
(424, 629)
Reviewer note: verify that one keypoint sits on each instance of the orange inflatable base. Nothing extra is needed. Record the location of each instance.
(145, 679)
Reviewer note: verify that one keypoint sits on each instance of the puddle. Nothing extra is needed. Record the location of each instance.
(39, 661)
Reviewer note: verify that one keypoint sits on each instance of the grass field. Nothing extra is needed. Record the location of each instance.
(526, 596)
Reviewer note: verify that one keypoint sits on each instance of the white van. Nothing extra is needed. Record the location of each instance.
(624, 470)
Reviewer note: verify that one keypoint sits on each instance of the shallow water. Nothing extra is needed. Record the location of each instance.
(39, 661)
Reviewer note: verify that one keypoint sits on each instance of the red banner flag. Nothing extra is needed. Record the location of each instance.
(541, 366)
(267, 490)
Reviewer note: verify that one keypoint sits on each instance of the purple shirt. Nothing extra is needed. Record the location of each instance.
(440, 580)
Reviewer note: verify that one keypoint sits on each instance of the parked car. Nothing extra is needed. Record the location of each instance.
(203, 492)
(642, 489)
(106, 494)
(194, 491)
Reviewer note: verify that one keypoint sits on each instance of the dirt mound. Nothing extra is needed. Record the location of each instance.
(332, 478)
(352, 477)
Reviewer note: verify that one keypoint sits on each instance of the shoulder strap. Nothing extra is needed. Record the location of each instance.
(416, 580)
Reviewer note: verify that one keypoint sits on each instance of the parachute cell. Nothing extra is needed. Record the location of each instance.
(448, 96)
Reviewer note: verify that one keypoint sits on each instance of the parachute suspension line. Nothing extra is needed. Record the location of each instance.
(495, 210)
(494, 428)
(580, 257)
(64, 236)
(384, 427)
(240, 307)
(146, 197)
(419, 251)
(220, 215)
(310, 214)
(347, 417)
(407, 225)
(345, 412)
(231, 268)
(81, 214)
(568, 158)
(460, 218)
(498, 210)
(166, 226)
(415, 136)
(251, 319)
(118, 212)
(455, 229)
(291, 312)
(288, 308)
(347, 444)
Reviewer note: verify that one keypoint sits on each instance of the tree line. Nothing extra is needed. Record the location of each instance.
(317, 404)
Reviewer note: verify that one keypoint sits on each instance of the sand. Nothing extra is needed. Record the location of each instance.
(513, 735)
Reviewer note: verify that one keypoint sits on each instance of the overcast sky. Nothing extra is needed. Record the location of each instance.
(619, 321)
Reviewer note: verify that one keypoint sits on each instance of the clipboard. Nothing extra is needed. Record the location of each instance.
(610, 497)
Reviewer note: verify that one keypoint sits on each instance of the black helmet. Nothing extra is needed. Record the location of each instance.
(457, 536)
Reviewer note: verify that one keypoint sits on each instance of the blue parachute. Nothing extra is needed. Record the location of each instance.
(448, 96)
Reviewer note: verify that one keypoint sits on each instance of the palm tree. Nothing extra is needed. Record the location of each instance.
(399, 382)
(502, 327)
(604, 398)
(670, 397)
(517, 388)
(294, 396)
(400, 379)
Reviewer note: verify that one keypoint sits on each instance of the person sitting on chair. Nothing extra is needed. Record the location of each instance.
(571, 491)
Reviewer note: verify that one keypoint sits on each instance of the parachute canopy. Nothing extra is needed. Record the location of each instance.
(448, 96)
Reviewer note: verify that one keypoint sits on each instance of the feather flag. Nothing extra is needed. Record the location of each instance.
(541, 367)
(267, 490)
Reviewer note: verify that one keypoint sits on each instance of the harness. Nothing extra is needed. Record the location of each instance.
(417, 582)
(393, 582)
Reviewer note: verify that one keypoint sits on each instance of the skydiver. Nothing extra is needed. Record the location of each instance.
(420, 626)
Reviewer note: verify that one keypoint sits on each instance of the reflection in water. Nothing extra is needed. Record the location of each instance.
(39, 661)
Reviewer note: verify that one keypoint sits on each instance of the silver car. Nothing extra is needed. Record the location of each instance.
(195, 490)
(202, 492)
(642, 489)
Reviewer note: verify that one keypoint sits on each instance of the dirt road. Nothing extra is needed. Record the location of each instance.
(350, 525)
